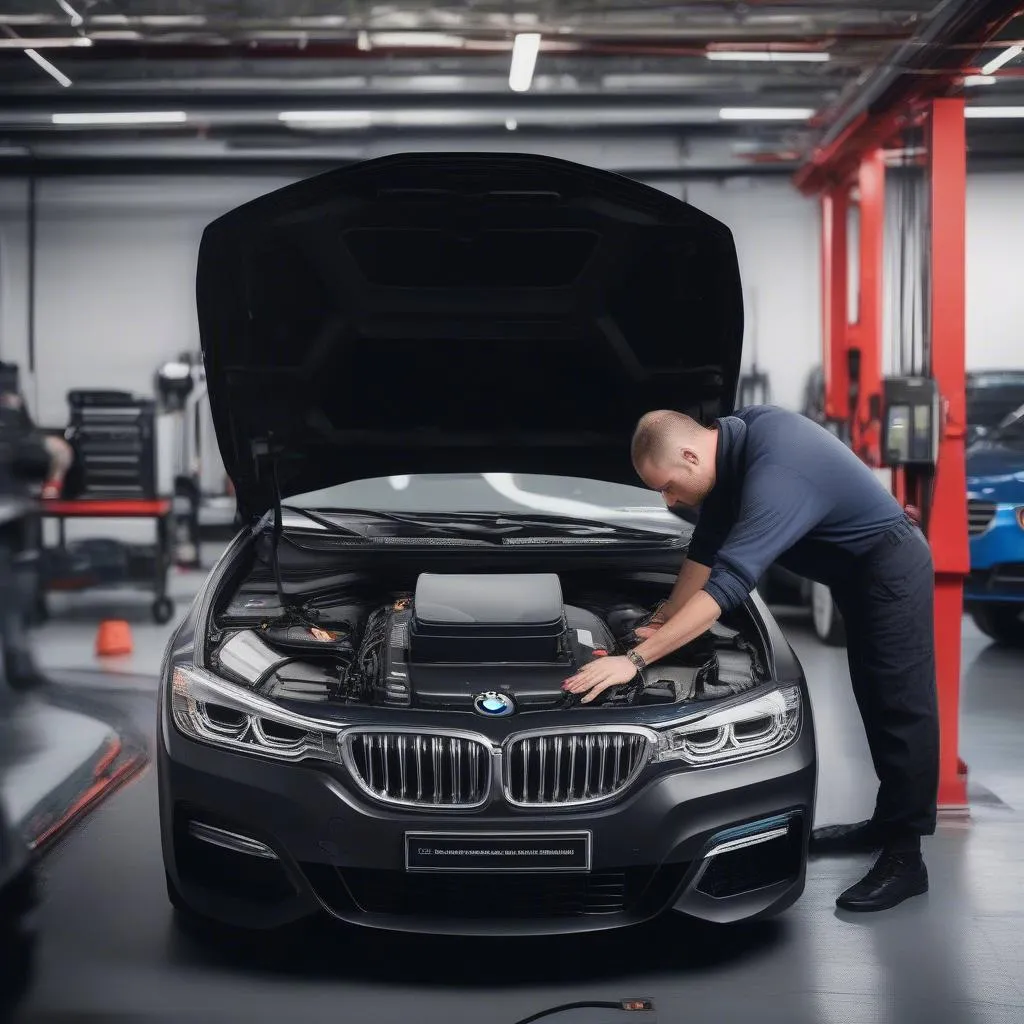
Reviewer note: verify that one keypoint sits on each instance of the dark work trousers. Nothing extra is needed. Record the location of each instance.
(887, 605)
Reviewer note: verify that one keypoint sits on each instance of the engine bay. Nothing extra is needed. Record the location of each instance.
(439, 640)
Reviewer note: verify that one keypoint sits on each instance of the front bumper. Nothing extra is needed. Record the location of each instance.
(997, 559)
(330, 848)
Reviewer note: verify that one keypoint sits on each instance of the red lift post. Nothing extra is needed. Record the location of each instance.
(835, 215)
(845, 178)
(947, 153)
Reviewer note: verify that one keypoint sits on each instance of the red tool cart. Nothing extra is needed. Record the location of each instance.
(151, 571)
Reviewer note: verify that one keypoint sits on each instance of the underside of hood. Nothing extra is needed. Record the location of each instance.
(437, 313)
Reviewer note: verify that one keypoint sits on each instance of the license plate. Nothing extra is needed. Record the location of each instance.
(503, 852)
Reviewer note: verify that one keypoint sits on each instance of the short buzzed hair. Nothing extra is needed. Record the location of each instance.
(658, 432)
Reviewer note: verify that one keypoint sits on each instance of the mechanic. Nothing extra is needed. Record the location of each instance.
(774, 486)
(60, 454)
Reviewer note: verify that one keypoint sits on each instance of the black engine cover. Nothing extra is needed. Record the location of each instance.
(467, 635)
(487, 617)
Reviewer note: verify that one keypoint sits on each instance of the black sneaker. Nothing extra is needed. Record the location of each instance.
(863, 837)
(896, 876)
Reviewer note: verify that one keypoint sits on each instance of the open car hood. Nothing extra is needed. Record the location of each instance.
(433, 313)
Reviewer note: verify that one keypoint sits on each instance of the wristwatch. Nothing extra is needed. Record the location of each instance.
(637, 660)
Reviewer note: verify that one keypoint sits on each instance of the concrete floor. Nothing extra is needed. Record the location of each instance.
(108, 947)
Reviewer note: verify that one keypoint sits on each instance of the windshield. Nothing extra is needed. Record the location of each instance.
(495, 492)
(1011, 430)
(990, 399)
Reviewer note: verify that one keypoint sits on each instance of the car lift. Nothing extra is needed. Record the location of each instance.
(854, 386)
(849, 174)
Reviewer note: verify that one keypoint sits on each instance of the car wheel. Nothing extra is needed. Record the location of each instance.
(163, 610)
(828, 622)
(1001, 622)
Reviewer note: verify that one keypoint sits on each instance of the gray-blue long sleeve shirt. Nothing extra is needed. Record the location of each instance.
(786, 491)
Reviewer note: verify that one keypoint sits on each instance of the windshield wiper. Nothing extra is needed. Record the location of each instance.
(327, 524)
(569, 526)
(419, 524)
(492, 527)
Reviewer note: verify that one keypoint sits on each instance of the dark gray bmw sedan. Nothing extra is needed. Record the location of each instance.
(424, 371)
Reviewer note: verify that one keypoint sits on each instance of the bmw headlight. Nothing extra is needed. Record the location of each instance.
(217, 712)
(764, 725)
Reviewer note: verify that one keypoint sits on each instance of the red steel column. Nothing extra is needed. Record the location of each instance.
(835, 208)
(870, 310)
(948, 526)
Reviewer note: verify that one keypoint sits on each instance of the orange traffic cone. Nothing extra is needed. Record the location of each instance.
(113, 637)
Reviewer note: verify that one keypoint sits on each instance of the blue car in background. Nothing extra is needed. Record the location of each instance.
(994, 590)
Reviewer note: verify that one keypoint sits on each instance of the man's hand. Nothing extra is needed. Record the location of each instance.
(661, 615)
(645, 632)
(596, 677)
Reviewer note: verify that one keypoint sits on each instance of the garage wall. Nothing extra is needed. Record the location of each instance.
(777, 239)
(116, 265)
(115, 279)
(995, 283)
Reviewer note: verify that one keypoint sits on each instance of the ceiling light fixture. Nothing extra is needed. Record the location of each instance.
(173, 20)
(511, 124)
(524, 59)
(76, 18)
(972, 80)
(771, 56)
(126, 117)
(49, 68)
(49, 43)
(326, 118)
(1010, 53)
(765, 113)
(993, 112)
(116, 35)
(423, 40)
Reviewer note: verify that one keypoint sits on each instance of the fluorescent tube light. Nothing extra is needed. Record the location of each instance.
(765, 113)
(326, 118)
(972, 80)
(49, 68)
(127, 117)
(524, 60)
(47, 43)
(173, 20)
(1011, 53)
(994, 112)
(771, 56)
(440, 40)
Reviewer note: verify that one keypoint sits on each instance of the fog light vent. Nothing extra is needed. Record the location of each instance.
(751, 862)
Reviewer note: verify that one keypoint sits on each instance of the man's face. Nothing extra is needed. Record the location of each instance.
(682, 480)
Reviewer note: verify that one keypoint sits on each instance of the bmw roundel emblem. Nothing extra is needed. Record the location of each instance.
(493, 704)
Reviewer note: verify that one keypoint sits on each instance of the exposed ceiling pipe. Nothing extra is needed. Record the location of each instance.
(894, 93)
(153, 49)
(301, 166)
(954, 20)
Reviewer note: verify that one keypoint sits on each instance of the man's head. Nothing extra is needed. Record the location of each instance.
(674, 454)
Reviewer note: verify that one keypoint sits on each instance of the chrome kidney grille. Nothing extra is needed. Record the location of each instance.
(558, 769)
(979, 516)
(420, 770)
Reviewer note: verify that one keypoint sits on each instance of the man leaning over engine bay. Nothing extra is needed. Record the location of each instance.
(774, 486)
